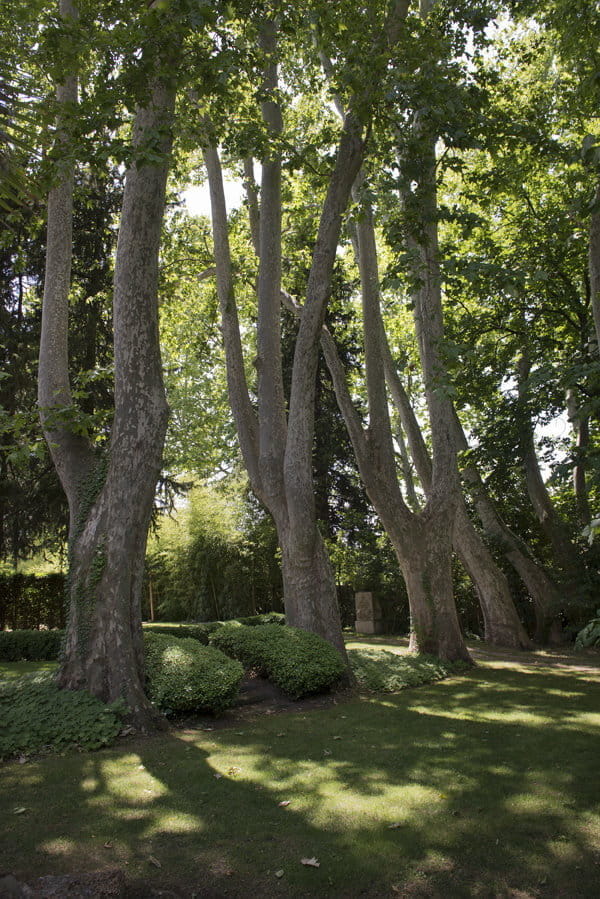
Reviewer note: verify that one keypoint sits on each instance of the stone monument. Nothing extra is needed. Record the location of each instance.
(369, 617)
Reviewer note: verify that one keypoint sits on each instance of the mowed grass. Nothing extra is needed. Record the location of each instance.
(485, 784)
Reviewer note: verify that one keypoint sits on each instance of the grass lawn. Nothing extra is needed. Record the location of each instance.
(484, 784)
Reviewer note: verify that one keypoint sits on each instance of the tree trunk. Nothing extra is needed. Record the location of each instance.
(110, 499)
(565, 552)
(594, 264)
(501, 621)
(581, 427)
(502, 626)
(543, 591)
(308, 584)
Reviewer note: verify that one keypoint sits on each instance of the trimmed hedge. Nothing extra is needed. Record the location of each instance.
(29, 601)
(30, 646)
(183, 675)
(300, 663)
(44, 646)
(197, 632)
(38, 716)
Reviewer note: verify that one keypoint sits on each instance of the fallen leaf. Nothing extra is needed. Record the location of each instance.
(234, 771)
(154, 861)
(310, 862)
(108, 845)
(395, 826)
(337, 738)
(281, 734)
(20, 810)
(218, 776)
(284, 803)
(279, 873)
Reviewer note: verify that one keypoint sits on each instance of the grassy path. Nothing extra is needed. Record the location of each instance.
(481, 785)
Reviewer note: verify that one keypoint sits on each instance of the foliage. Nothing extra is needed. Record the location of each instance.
(590, 634)
(31, 601)
(215, 558)
(300, 663)
(183, 675)
(197, 632)
(38, 716)
(382, 671)
(30, 646)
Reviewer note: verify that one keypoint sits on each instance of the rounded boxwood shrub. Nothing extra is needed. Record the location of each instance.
(183, 675)
(197, 632)
(38, 716)
(300, 663)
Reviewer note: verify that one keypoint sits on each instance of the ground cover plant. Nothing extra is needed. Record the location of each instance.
(482, 784)
(39, 717)
(380, 670)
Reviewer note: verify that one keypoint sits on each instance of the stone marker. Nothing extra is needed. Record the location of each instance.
(369, 618)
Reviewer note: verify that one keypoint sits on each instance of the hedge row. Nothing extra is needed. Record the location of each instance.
(44, 646)
(28, 602)
(299, 663)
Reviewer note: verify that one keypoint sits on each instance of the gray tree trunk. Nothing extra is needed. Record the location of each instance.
(594, 264)
(502, 626)
(543, 591)
(111, 499)
(565, 552)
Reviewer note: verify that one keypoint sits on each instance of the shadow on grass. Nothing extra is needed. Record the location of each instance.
(483, 785)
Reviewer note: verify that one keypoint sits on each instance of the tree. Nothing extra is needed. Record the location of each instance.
(277, 448)
(110, 498)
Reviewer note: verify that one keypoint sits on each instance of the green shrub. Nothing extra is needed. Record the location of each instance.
(183, 675)
(299, 663)
(264, 618)
(30, 646)
(381, 671)
(590, 634)
(38, 716)
(198, 632)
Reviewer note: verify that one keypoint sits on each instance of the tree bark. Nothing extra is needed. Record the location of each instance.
(594, 264)
(502, 626)
(565, 552)
(581, 427)
(111, 498)
(543, 591)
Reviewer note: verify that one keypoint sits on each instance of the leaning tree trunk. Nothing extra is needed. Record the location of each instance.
(545, 596)
(502, 626)
(565, 552)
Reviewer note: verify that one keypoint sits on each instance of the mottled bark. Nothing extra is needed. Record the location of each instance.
(565, 552)
(594, 262)
(581, 427)
(111, 498)
(543, 591)
(502, 626)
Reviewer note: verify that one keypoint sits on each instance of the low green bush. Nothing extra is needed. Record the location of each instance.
(382, 671)
(263, 618)
(30, 646)
(590, 634)
(299, 663)
(38, 716)
(198, 632)
(183, 675)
